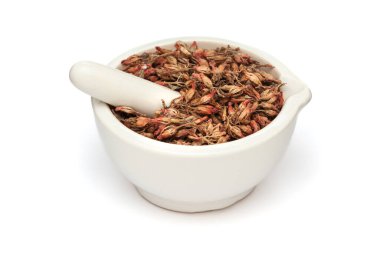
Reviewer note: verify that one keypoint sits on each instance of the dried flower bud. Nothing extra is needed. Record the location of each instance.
(244, 104)
(235, 132)
(246, 129)
(127, 110)
(232, 89)
(171, 112)
(149, 72)
(172, 67)
(245, 114)
(159, 129)
(133, 69)
(165, 120)
(224, 113)
(203, 69)
(253, 78)
(261, 78)
(254, 107)
(255, 127)
(206, 81)
(180, 46)
(267, 106)
(271, 113)
(272, 100)
(167, 132)
(142, 121)
(203, 62)
(268, 77)
(205, 109)
(231, 110)
(201, 120)
(262, 120)
(131, 59)
(266, 95)
(223, 139)
(205, 99)
(250, 91)
(162, 50)
(190, 93)
(183, 133)
(171, 60)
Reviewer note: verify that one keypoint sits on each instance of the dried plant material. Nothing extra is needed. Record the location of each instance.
(225, 95)
(254, 78)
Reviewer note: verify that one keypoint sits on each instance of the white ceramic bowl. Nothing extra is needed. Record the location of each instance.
(201, 178)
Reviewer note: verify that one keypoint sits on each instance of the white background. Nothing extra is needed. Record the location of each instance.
(59, 192)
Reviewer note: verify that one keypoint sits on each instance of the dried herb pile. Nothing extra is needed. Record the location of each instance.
(225, 95)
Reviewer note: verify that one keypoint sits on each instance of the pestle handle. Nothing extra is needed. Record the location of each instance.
(116, 87)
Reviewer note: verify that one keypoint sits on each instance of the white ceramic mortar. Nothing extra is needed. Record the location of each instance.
(201, 178)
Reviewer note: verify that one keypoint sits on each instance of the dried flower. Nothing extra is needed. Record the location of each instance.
(225, 94)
